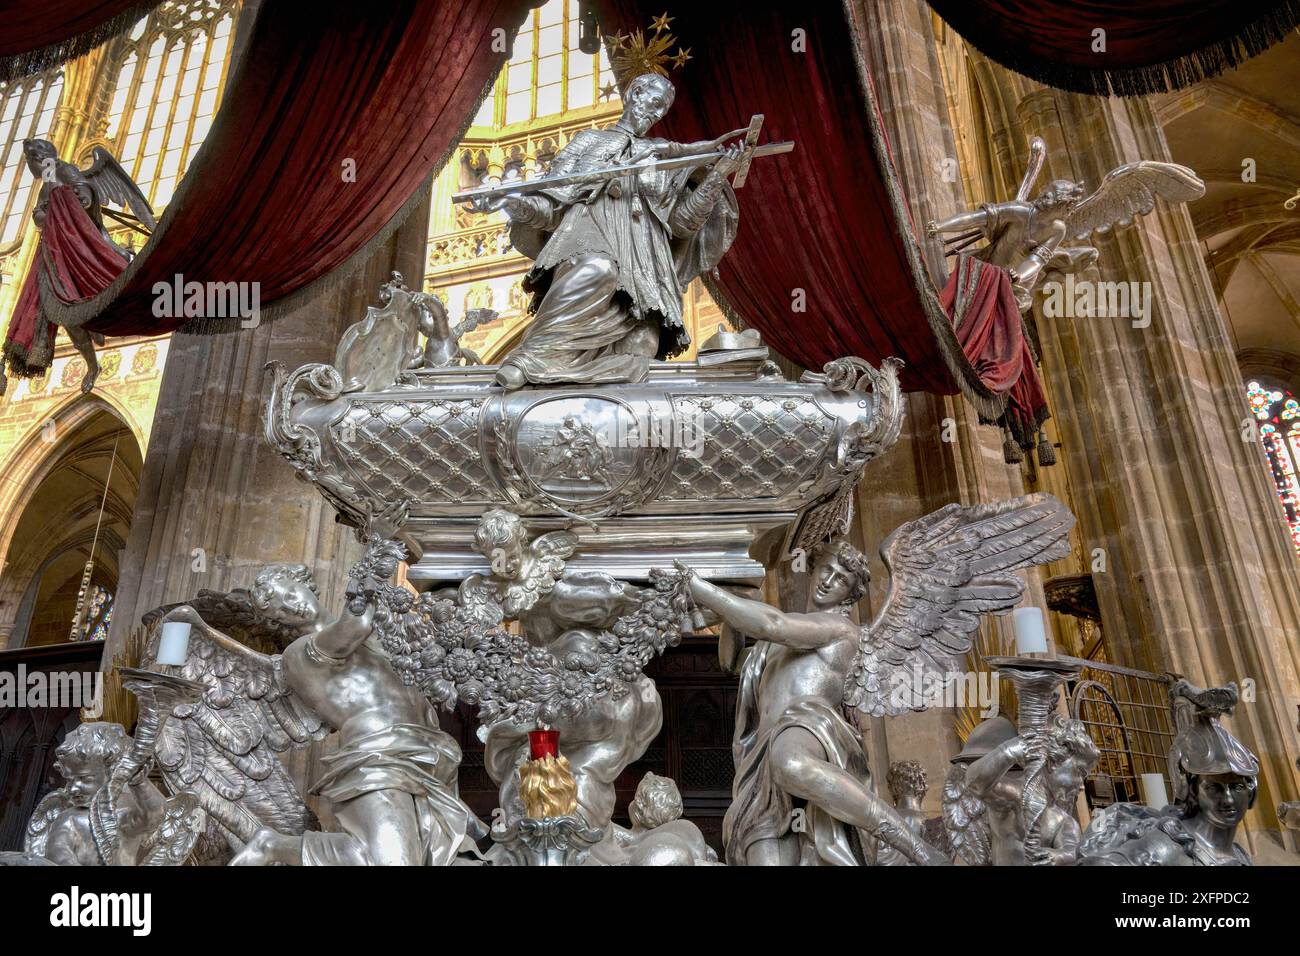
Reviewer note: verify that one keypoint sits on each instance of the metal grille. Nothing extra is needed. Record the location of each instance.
(1127, 715)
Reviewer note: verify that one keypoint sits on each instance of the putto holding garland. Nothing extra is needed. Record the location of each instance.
(518, 567)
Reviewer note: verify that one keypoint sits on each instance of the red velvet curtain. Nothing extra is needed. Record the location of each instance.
(824, 227)
(73, 261)
(333, 122)
(1149, 46)
(36, 34)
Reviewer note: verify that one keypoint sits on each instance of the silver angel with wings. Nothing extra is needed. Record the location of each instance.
(102, 184)
(390, 784)
(1027, 236)
(793, 740)
(109, 813)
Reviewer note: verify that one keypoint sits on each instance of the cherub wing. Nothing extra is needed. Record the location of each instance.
(947, 570)
(113, 185)
(965, 820)
(473, 319)
(224, 748)
(37, 832)
(1129, 191)
(234, 613)
(555, 544)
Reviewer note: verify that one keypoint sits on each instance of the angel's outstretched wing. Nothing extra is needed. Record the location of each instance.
(1129, 191)
(113, 185)
(224, 747)
(473, 319)
(37, 832)
(965, 819)
(947, 569)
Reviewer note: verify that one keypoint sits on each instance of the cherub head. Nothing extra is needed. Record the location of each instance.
(646, 102)
(1060, 195)
(907, 782)
(657, 801)
(287, 593)
(1071, 755)
(501, 538)
(840, 575)
(86, 757)
(37, 151)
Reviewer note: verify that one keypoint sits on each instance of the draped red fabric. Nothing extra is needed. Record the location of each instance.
(982, 306)
(74, 261)
(331, 125)
(1147, 47)
(36, 34)
(821, 265)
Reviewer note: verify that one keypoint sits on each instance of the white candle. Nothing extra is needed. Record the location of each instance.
(1031, 634)
(174, 645)
(1153, 791)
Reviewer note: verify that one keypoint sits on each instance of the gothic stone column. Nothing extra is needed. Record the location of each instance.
(1200, 578)
(943, 455)
(216, 502)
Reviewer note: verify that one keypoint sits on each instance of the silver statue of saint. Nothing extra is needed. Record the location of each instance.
(612, 258)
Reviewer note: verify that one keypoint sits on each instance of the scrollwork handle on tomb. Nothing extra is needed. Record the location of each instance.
(860, 443)
(297, 443)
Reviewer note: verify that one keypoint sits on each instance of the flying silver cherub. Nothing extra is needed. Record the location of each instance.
(1027, 236)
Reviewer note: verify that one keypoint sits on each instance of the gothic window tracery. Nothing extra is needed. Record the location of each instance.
(27, 108)
(547, 74)
(167, 90)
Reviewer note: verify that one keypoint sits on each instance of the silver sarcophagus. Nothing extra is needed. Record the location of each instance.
(723, 463)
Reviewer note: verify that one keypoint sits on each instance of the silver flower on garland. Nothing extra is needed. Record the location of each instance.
(454, 652)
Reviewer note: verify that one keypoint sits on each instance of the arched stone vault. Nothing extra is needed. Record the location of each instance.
(50, 501)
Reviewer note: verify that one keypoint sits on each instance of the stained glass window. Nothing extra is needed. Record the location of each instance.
(1277, 414)
(99, 614)
(547, 74)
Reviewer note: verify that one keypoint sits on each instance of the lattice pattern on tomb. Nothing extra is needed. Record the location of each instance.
(755, 446)
(425, 451)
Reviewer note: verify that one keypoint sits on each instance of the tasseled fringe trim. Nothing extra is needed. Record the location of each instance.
(19, 65)
(1223, 54)
(24, 362)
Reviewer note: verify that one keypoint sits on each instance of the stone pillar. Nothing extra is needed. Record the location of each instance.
(1200, 577)
(944, 454)
(212, 487)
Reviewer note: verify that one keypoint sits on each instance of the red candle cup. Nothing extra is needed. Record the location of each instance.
(543, 743)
